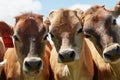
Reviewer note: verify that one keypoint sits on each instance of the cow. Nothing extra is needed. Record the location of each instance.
(100, 27)
(70, 57)
(28, 59)
(2, 49)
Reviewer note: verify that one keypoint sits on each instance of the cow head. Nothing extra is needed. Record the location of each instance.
(99, 24)
(66, 32)
(29, 42)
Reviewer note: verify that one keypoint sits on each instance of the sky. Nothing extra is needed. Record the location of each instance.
(11, 8)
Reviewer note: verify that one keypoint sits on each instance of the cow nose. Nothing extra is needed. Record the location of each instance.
(66, 56)
(33, 65)
(112, 53)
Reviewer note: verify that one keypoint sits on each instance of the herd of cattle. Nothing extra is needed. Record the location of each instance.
(86, 45)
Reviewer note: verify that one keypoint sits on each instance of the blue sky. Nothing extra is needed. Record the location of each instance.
(11, 8)
(48, 5)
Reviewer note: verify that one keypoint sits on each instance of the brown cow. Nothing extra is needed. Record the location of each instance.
(2, 49)
(70, 57)
(99, 24)
(29, 59)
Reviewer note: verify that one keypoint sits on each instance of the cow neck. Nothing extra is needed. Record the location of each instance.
(85, 64)
(115, 67)
(106, 71)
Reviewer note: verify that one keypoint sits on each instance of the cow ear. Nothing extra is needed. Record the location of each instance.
(79, 12)
(4, 27)
(6, 33)
(117, 9)
(47, 23)
(17, 19)
(51, 13)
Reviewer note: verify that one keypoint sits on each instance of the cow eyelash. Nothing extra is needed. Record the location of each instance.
(52, 36)
(114, 22)
(45, 37)
(79, 31)
(87, 35)
(15, 38)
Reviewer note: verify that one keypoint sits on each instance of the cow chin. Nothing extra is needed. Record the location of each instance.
(31, 73)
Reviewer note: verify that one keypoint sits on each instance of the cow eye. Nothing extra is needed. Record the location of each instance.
(87, 35)
(15, 38)
(52, 36)
(45, 37)
(80, 30)
(114, 22)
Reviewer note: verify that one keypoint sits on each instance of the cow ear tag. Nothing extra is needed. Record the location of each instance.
(7, 39)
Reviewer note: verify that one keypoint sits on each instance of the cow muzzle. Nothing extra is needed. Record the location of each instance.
(112, 53)
(66, 56)
(32, 65)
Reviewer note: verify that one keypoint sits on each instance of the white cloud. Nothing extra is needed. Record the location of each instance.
(10, 8)
(81, 6)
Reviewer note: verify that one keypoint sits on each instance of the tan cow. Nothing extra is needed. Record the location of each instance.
(99, 25)
(29, 59)
(70, 57)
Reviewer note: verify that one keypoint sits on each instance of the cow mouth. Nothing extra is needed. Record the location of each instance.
(31, 73)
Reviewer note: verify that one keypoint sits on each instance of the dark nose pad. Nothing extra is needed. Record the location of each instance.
(107, 55)
(112, 53)
(66, 56)
(33, 65)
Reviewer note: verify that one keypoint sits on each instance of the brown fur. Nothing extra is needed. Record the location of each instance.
(12, 67)
(28, 30)
(98, 26)
(63, 29)
(2, 49)
(85, 71)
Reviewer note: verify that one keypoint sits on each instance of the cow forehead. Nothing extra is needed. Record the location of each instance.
(97, 16)
(64, 20)
(97, 10)
(29, 25)
(29, 22)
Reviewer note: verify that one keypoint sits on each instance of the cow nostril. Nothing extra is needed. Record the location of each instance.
(61, 56)
(72, 54)
(118, 48)
(39, 63)
(107, 55)
(28, 65)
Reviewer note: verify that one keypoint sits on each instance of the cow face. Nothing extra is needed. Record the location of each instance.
(101, 27)
(29, 41)
(65, 29)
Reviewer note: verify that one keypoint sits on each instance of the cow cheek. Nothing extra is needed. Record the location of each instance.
(19, 52)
